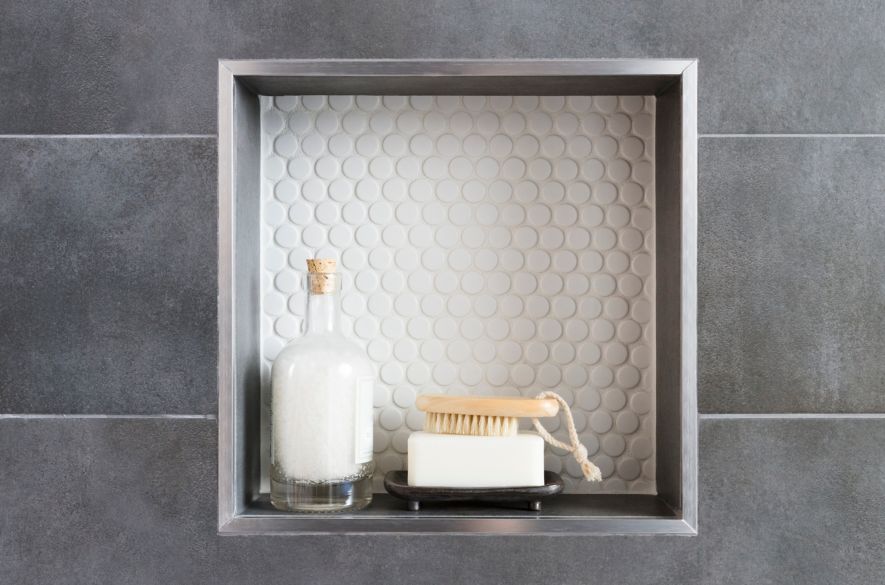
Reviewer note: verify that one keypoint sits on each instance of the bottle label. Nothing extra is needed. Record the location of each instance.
(364, 439)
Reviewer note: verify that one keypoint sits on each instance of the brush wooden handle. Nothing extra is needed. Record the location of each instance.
(512, 406)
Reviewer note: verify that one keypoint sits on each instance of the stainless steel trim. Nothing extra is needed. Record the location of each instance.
(463, 67)
(226, 426)
(235, 492)
(484, 77)
(251, 525)
(689, 295)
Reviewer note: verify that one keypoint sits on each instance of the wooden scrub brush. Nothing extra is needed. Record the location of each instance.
(484, 416)
(493, 416)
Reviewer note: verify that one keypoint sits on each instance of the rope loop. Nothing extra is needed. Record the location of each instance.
(590, 471)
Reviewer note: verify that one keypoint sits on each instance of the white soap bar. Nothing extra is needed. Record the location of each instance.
(463, 461)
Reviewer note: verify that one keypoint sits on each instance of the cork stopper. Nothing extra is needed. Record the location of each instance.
(321, 278)
(321, 265)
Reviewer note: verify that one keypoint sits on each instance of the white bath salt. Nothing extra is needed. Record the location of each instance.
(322, 410)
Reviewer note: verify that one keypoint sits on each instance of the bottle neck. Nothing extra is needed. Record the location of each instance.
(322, 314)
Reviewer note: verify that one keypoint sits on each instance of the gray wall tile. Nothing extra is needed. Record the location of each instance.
(792, 275)
(107, 267)
(133, 501)
(456, 560)
(107, 501)
(151, 67)
(108, 272)
(792, 501)
(470, 560)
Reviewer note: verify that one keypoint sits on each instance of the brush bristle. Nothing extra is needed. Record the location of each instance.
(470, 424)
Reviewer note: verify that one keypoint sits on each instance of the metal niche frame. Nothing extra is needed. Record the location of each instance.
(241, 507)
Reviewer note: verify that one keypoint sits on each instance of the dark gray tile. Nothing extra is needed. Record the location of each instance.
(108, 271)
(456, 560)
(107, 501)
(792, 501)
(792, 275)
(133, 501)
(148, 66)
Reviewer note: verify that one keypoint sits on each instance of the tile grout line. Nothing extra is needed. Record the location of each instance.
(186, 136)
(793, 416)
(702, 416)
(112, 136)
(808, 135)
(110, 416)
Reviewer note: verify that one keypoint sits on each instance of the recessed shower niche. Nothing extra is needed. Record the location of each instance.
(504, 228)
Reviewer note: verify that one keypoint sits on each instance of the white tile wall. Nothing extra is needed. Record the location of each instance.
(490, 245)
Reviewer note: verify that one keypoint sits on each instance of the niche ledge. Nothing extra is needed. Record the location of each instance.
(243, 504)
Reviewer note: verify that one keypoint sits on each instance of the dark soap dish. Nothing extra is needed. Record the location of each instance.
(397, 484)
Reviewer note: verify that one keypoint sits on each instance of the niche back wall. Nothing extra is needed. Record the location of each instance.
(108, 255)
(489, 245)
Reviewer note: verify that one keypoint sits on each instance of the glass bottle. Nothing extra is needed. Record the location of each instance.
(321, 410)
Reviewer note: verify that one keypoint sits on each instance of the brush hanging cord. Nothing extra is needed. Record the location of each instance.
(590, 471)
